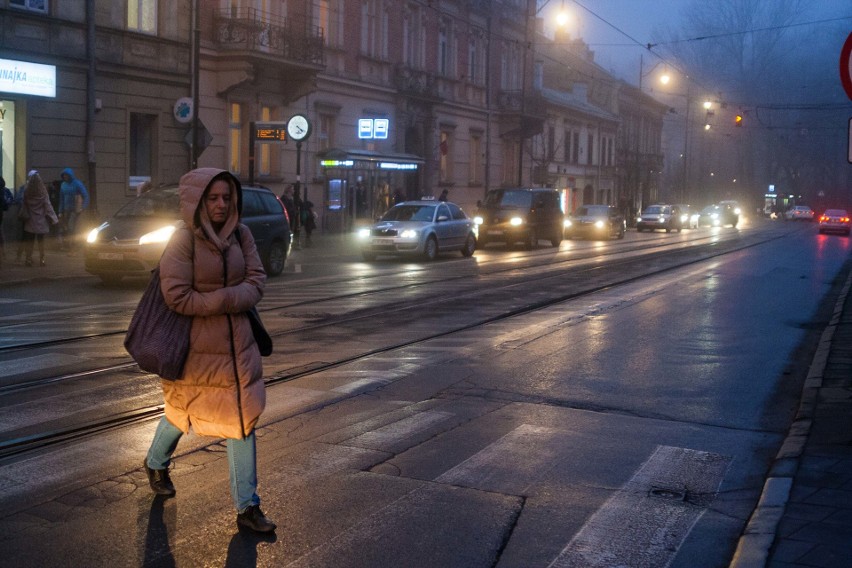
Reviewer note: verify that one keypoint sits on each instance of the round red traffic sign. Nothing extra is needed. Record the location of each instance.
(846, 66)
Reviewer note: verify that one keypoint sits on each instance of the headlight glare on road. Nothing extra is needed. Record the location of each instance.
(161, 235)
(516, 221)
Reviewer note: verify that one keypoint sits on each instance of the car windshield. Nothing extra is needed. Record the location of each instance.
(709, 209)
(592, 211)
(509, 198)
(410, 213)
(165, 203)
(655, 210)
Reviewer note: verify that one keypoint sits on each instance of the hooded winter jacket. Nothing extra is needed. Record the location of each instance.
(69, 192)
(221, 392)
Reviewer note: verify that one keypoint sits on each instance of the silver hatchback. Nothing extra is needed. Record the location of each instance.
(419, 228)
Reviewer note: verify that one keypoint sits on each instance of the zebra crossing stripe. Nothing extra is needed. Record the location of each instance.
(646, 521)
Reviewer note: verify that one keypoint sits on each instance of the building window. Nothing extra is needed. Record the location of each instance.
(445, 150)
(590, 147)
(510, 67)
(142, 148)
(327, 16)
(476, 57)
(235, 128)
(265, 149)
(446, 53)
(374, 29)
(412, 37)
(510, 161)
(33, 5)
(142, 16)
(325, 132)
(475, 158)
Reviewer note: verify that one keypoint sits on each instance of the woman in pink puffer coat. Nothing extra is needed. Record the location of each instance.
(211, 270)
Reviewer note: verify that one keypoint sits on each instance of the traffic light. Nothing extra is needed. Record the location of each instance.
(738, 120)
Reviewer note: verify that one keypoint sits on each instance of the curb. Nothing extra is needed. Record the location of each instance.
(758, 537)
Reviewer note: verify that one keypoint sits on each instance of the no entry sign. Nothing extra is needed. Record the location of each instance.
(846, 66)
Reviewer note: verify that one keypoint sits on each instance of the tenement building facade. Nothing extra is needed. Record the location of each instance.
(403, 99)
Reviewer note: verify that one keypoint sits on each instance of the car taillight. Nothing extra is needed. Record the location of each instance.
(845, 220)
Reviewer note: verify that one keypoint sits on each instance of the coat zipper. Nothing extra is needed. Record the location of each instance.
(234, 353)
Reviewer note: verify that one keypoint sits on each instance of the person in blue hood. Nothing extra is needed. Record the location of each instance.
(73, 200)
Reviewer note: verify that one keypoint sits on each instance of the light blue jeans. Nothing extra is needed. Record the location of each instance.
(242, 461)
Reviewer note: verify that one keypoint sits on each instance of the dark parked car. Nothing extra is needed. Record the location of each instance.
(520, 215)
(419, 228)
(595, 222)
(131, 242)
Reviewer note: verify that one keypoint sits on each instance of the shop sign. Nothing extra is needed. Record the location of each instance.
(25, 78)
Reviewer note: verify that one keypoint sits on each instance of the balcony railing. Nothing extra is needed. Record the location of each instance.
(252, 30)
(416, 82)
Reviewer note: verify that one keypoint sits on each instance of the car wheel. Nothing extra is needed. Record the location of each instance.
(469, 246)
(430, 251)
(532, 240)
(556, 240)
(276, 258)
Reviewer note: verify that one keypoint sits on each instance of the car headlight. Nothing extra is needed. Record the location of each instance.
(478, 220)
(638, 219)
(566, 223)
(714, 216)
(161, 235)
(516, 221)
(93, 234)
(363, 233)
(408, 234)
(599, 224)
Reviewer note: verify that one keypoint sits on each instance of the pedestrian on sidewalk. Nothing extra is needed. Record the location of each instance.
(309, 221)
(6, 200)
(38, 215)
(73, 200)
(211, 270)
(290, 206)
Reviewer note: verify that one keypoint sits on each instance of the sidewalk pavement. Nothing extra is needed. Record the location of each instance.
(804, 517)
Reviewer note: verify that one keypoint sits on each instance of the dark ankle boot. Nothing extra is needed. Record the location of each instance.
(159, 480)
(254, 519)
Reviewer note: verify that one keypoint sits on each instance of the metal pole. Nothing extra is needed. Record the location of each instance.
(90, 107)
(686, 145)
(252, 135)
(196, 66)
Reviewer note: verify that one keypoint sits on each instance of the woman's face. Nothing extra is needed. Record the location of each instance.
(218, 201)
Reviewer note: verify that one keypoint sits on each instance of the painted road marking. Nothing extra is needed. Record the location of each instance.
(646, 521)
(380, 438)
(512, 463)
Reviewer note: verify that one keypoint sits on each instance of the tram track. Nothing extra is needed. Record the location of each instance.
(565, 288)
(550, 263)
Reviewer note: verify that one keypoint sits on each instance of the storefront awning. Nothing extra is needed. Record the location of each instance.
(365, 159)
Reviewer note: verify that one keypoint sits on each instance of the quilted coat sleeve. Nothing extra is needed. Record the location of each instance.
(176, 278)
